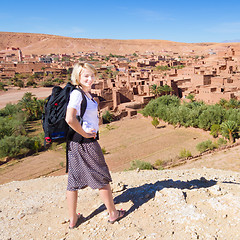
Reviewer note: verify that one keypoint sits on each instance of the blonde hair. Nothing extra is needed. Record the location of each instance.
(78, 68)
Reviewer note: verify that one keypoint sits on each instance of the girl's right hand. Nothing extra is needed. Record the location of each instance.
(91, 133)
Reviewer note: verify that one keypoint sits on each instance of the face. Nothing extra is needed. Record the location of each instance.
(87, 78)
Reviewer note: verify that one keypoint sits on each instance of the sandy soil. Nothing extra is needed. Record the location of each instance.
(188, 202)
(14, 94)
(31, 43)
(170, 204)
(125, 141)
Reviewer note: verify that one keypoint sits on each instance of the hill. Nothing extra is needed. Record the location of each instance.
(32, 43)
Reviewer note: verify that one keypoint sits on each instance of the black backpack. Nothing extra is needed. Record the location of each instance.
(53, 118)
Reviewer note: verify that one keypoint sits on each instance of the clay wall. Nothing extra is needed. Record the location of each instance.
(125, 95)
(217, 81)
(30, 67)
(213, 97)
(198, 79)
(8, 73)
(106, 104)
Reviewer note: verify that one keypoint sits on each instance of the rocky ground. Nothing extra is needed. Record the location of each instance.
(170, 204)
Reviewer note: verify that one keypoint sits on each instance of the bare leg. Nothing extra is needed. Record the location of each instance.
(72, 206)
(106, 196)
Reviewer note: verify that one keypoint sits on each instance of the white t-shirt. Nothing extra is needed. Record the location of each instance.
(90, 117)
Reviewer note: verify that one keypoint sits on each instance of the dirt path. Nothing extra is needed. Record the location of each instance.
(14, 94)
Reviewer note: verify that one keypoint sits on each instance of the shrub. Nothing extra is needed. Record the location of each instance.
(206, 145)
(104, 151)
(185, 153)
(9, 110)
(1, 86)
(221, 142)
(47, 83)
(31, 82)
(11, 126)
(11, 146)
(159, 164)
(34, 144)
(19, 83)
(155, 122)
(110, 127)
(137, 164)
(58, 80)
(107, 117)
(215, 130)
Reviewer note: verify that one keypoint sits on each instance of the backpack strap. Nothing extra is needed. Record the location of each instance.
(82, 111)
(83, 103)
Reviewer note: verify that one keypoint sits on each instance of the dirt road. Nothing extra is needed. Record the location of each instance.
(14, 94)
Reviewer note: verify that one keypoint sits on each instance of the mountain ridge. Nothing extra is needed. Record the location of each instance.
(34, 43)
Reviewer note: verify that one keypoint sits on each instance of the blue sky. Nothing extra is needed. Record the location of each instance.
(180, 21)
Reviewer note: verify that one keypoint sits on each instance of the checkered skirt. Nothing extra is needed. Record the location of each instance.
(86, 165)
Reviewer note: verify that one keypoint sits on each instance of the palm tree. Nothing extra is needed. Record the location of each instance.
(223, 102)
(229, 130)
(165, 90)
(153, 90)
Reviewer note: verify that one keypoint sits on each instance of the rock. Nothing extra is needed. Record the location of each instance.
(203, 179)
(21, 215)
(117, 187)
(215, 190)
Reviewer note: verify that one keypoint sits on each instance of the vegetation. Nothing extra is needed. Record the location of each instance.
(185, 153)
(155, 122)
(206, 145)
(191, 97)
(47, 83)
(116, 56)
(159, 164)
(197, 114)
(2, 86)
(160, 90)
(166, 67)
(229, 130)
(137, 164)
(104, 151)
(215, 130)
(221, 142)
(107, 117)
(14, 132)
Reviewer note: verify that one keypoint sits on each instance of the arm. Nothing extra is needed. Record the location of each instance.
(72, 121)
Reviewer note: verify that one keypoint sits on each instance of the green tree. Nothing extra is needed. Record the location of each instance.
(165, 89)
(191, 97)
(153, 90)
(223, 102)
(215, 130)
(229, 130)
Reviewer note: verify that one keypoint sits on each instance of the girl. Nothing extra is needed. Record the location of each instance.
(87, 166)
